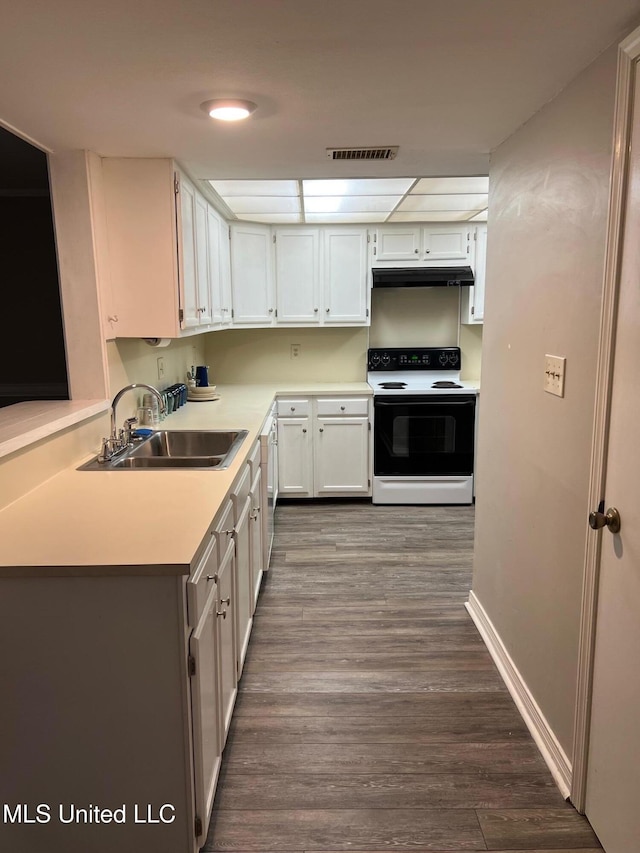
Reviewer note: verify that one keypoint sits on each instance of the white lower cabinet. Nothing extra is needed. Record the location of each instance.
(256, 537)
(204, 668)
(227, 687)
(244, 574)
(324, 447)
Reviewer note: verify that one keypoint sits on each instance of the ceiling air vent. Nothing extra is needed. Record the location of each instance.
(387, 153)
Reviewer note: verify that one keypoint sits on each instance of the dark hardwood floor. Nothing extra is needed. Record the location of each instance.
(370, 716)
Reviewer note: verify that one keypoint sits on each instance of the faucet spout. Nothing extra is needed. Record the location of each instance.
(114, 444)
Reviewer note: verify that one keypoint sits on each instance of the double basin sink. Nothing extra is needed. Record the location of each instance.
(206, 449)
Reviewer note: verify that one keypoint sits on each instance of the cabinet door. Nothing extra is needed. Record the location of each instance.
(227, 681)
(205, 707)
(297, 275)
(341, 456)
(225, 273)
(188, 265)
(255, 537)
(397, 243)
(295, 462)
(445, 243)
(215, 266)
(479, 274)
(345, 271)
(251, 275)
(203, 278)
(244, 585)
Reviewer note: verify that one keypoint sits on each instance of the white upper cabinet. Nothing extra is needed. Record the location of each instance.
(322, 275)
(397, 243)
(346, 276)
(219, 268)
(188, 256)
(202, 261)
(446, 243)
(437, 244)
(297, 262)
(251, 275)
(472, 302)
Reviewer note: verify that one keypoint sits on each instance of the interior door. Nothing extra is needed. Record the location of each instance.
(613, 775)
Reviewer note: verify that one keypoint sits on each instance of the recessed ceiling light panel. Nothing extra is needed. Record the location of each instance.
(228, 109)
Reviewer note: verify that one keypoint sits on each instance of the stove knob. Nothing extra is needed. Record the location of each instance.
(375, 359)
(453, 358)
(386, 360)
(443, 358)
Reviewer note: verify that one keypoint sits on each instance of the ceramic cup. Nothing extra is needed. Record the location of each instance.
(202, 376)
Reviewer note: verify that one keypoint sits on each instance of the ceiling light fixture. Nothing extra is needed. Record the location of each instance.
(228, 109)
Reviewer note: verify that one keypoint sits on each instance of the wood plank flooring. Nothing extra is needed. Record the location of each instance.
(370, 716)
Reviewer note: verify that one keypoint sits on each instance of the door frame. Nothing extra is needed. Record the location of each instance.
(628, 54)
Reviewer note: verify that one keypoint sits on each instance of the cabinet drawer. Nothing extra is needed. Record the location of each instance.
(240, 490)
(342, 406)
(224, 530)
(254, 460)
(293, 408)
(200, 582)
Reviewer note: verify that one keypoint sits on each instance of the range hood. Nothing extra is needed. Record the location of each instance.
(422, 277)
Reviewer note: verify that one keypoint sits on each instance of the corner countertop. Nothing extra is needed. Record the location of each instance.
(144, 521)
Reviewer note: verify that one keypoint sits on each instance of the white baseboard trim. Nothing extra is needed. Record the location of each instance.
(553, 754)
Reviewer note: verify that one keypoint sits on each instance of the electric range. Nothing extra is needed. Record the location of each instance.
(423, 426)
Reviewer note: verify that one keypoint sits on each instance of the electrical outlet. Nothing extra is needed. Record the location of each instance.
(160, 368)
(554, 368)
(295, 350)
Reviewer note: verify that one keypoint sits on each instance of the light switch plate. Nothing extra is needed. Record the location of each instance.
(554, 369)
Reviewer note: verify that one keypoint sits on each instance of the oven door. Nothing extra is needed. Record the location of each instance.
(422, 436)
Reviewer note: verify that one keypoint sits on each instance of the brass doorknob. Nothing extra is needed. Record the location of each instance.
(610, 519)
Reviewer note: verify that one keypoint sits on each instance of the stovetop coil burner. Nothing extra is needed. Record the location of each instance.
(446, 383)
(393, 386)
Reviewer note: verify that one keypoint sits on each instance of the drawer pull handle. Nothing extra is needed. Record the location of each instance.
(213, 578)
(226, 601)
(342, 408)
(222, 613)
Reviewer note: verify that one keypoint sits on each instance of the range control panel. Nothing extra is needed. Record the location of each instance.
(414, 358)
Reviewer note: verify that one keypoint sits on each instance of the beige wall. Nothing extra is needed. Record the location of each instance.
(424, 316)
(133, 360)
(262, 355)
(547, 219)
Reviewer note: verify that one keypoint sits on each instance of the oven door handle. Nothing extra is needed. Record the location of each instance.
(424, 402)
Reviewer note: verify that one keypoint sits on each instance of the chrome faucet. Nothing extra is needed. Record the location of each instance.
(120, 440)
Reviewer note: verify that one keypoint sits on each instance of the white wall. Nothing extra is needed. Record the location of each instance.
(547, 218)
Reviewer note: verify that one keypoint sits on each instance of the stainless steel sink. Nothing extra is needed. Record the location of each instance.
(207, 449)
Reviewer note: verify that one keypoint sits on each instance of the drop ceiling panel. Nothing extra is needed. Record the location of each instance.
(432, 216)
(440, 186)
(443, 202)
(270, 218)
(351, 204)
(263, 204)
(366, 186)
(344, 218)
(251, 188)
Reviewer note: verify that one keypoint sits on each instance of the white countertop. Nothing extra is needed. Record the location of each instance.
(133, 522)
